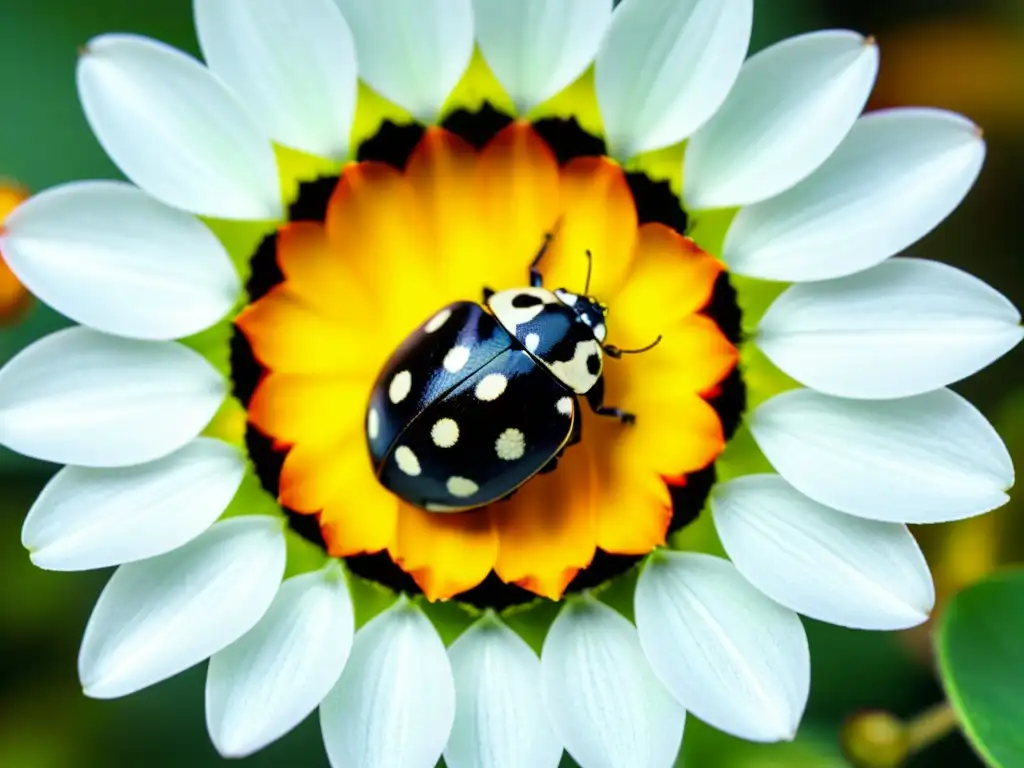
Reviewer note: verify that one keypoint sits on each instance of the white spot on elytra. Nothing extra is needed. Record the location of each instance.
(373, 424)
(510, 445)
(462, 487)
(600, 331)
(400, 386)
(491, 386)
(532, 341)
(407, 461)
(437, 320)
(564, 406)
(456, 358)
(445, 433)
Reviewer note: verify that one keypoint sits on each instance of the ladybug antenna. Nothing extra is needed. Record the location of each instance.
(590, 265)
(612, 351)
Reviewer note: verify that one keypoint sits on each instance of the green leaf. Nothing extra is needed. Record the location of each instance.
(982, 667)
(705, 746)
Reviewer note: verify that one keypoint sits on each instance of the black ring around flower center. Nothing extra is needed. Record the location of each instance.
(394, 144)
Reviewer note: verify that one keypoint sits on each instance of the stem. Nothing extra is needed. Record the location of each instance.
(930, 726)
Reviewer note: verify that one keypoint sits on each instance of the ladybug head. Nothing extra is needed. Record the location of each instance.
(589, 310)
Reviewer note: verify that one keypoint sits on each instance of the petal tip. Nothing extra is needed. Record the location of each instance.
(233, 746)
(915, 614)
(28, 534)
(918, 615)
(94, 48)
(100, 689)
(40, 558)
(781, 725)
(791, 732)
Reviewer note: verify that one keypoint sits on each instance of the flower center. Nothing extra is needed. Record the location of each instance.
(334, 292)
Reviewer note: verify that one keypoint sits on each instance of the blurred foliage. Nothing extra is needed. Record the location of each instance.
(704, 747)
(982, 666)
(966, 55)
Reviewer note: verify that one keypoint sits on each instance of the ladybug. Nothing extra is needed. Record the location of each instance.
(482, 397)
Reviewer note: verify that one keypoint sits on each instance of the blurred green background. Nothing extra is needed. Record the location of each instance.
(966, 55)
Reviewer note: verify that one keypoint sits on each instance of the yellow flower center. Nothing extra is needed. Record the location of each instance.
(397, 246)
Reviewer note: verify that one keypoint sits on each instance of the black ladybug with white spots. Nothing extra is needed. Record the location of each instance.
(482, 397)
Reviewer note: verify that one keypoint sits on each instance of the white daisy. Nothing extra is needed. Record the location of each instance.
(776, 173)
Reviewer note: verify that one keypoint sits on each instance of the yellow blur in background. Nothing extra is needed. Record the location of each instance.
(14, 299)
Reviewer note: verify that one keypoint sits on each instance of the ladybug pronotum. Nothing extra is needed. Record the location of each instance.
(482, 397)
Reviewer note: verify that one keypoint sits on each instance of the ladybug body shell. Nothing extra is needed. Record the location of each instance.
(463, 412)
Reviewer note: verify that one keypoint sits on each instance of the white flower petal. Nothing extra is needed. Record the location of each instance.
(603, 700)
(292, 63)
(791, 106)
(395, 702)
(832, 567)
(731, 656)
(174, 129)
(107, 255)
(499, 712)
(413, 52)
(537, 47)
(902, 328)
(158, 617)
(924, 459)
(665, 67)
(94, 518)
(269, 680)
(81, 397)
(894, 178)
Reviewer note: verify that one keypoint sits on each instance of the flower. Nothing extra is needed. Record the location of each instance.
(356, 167)
(13, 297)
(323, 333)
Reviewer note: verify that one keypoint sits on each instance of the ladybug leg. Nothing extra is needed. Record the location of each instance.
(595, 397)
(550, 466)
(488, 292)
(624, 416)
(536, 278)
(574, 437)
(577, 433)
